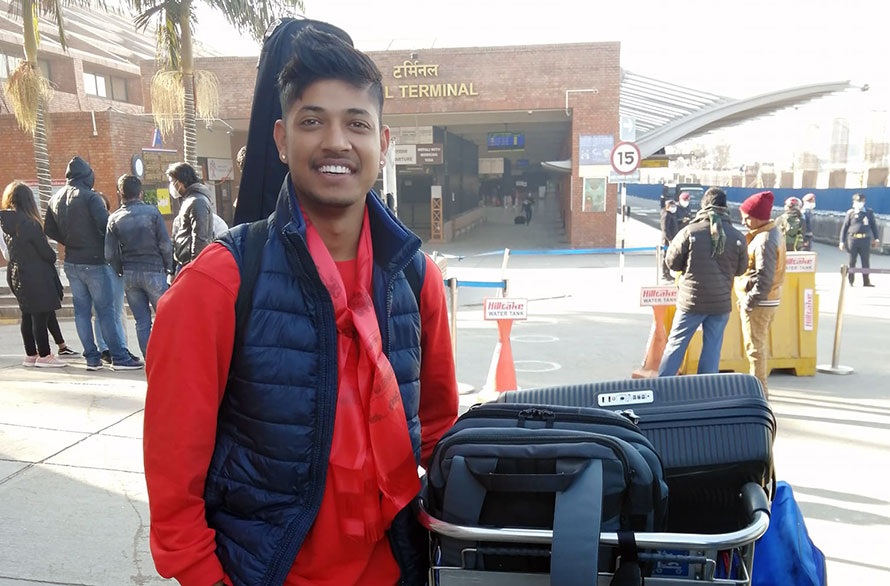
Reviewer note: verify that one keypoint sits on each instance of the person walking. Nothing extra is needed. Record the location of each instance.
(287, 451)
(76, 218)
(527, 204)
(31, 273)
(137, 246)
(859, 233)
(759, 290)
(669, 228)
(791, 224)
(809, 205)
(709, 252)
(193, 225)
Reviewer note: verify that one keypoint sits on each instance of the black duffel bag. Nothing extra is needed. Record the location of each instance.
(577, 471)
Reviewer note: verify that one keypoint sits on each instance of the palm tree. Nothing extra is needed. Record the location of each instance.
(178, 91)
(28, 91)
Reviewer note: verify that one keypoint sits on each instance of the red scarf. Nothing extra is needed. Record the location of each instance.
(372, 461)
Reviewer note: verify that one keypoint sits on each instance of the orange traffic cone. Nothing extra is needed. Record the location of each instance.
(502, 371)
(505, 375)
(657, 342)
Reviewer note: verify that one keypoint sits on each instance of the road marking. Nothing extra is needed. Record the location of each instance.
(534, 338)
(547, 366)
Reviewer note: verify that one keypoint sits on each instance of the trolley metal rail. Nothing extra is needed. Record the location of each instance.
(697, 556)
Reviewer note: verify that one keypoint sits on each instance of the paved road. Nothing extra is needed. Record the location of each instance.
(73, 508)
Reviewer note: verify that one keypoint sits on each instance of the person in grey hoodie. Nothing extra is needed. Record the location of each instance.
(710, 253)
(193, 225)
(76, 218)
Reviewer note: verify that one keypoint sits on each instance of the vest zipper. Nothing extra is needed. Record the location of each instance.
(272, 577)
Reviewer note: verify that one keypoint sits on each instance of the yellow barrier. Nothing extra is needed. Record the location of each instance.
(792, 343)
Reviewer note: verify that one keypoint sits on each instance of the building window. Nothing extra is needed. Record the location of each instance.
(119, 89)
(45, 68)
(8, 63)
(105, 86)
(94, 84)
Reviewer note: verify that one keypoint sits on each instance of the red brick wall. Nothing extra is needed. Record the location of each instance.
(119, 137)
(595, 114)
(236, 75)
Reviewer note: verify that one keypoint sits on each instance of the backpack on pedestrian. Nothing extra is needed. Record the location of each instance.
(792, 227)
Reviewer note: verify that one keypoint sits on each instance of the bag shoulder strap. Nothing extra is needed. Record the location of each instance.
(251, 259)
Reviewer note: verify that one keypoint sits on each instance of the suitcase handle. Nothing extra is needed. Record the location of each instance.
(757, 525)
(504, 482)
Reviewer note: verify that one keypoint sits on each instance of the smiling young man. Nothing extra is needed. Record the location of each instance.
(287, 453)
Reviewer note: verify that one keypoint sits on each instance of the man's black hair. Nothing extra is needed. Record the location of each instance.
(184, 173)
(129, 187)
(319, 56)
(714, 196)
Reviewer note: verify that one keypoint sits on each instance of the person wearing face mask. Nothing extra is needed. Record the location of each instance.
(809, 204)
(193, 225)
(858, 234)
(683, 209)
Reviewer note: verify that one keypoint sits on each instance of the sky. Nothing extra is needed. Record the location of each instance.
(736, 49)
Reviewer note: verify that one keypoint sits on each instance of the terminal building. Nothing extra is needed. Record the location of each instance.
(472, 127)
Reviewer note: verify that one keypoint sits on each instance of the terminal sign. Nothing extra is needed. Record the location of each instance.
(663, 295)
(505, 308)
(414, 69)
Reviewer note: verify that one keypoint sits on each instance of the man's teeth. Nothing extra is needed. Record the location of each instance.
(336, 169)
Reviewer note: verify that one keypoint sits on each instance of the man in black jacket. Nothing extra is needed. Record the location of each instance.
(858, 234)
(710, 253)
(193, 225)
(138, 248)
(670, 225)
(76, 218)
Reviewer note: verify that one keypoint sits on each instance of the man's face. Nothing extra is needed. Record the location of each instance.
(333, 144)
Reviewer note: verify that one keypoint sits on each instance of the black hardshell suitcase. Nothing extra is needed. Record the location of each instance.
(713, 433)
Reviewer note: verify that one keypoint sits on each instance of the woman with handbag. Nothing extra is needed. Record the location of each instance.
(31, 273)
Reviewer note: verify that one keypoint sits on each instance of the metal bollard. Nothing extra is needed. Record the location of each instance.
(659, 258)
(834, 367)
(452, 286)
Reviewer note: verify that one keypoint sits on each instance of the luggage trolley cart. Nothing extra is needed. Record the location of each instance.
(676, 559)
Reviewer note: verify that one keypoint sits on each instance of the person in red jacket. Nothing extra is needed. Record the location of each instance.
(332, 139)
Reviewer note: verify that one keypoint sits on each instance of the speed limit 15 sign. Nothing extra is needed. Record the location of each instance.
(625, 157)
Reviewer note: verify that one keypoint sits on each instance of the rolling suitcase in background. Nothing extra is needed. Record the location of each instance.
(714, 433)
(577, 471)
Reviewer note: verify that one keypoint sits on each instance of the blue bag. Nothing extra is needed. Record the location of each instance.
(785, 555)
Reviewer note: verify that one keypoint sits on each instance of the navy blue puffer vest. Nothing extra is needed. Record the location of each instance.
(276, 421)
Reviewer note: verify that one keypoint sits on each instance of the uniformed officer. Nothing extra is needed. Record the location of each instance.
(858, 234)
